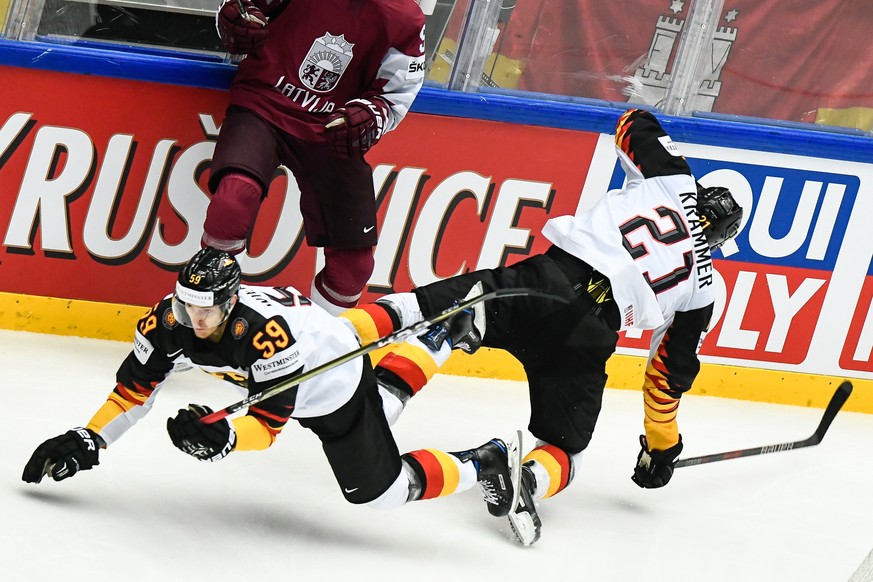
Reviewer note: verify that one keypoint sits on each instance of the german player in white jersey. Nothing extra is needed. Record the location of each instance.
(257, 337)
(640, 258)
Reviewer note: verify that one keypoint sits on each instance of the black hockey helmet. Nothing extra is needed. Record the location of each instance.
(210, 278)
(720, 215)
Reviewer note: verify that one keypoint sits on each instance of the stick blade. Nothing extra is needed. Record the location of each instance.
(839, 398)
(845, 390)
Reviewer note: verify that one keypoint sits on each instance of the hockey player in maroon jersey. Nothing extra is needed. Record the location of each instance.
(322, 82)
(639, 258)
(256, 337)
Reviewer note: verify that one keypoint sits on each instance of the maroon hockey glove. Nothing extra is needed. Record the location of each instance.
(205, 442)
(655, 468)
(241, 26)
(354, 129)
(63, 456)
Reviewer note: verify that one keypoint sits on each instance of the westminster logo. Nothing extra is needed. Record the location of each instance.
(326, 62)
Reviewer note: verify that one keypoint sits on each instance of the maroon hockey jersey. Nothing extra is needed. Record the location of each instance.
(321, 54)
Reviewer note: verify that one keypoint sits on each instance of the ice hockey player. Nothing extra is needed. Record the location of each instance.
(640, 258)
(256, 337)
(321, 84)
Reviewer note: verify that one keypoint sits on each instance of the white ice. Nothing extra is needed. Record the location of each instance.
(149, 512)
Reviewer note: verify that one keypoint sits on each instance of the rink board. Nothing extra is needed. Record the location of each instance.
(104, 201)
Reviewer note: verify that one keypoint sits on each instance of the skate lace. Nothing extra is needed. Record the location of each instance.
(490, 492)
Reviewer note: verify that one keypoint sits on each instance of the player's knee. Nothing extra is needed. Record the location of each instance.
(396, 495)
(233, 209)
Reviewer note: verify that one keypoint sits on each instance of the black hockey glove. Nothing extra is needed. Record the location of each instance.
(63, 456)
(354, 129)
(655, 468)
(206, 442)
(241, 26)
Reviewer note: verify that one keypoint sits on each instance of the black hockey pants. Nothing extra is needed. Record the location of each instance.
(563, 347)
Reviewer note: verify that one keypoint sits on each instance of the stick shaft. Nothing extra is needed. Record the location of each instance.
(396, 337)
(836, 403)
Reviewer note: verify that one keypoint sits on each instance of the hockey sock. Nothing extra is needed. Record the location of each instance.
(552, 467)
(440, 473)
(338, 286)
(372, 321)
(411, 365)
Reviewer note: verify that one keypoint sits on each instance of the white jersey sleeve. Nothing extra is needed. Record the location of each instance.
(318, 338)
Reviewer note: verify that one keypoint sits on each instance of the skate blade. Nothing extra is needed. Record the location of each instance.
(524, 529)
(513, 453)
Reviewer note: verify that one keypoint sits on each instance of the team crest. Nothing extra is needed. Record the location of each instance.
(169, 319)
(327, 60)
(239, 327)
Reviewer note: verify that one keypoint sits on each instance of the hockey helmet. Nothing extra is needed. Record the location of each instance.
(720, 215)
(211, 277)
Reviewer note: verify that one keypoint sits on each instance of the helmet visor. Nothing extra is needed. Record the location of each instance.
(195, 309)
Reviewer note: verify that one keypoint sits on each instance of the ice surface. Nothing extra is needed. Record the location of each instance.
(148, 512)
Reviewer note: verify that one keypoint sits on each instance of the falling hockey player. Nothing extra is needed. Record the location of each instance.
(640, 258)
(257, 337)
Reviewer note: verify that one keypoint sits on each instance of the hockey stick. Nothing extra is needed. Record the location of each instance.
(396, 337)
(837, 400)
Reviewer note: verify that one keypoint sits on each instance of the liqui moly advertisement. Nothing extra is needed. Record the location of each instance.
(105, 201)
(795, 287)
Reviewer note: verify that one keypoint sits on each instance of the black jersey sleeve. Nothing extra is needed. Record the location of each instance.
(671, 371)
(149, 363)
(676, 360)
(640, 136)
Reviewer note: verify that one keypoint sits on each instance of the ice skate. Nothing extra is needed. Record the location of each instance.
(498, 473)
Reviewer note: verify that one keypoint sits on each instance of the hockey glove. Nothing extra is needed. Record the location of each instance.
(655, 468)
(63, 456)
(241, 26)
(206, 442)
(354, 129)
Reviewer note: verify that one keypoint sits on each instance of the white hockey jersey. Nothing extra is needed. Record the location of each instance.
(647, 239)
